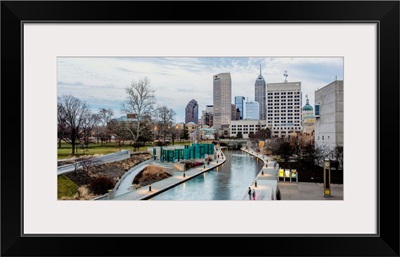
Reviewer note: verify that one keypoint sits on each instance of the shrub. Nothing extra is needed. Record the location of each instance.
(101, 185)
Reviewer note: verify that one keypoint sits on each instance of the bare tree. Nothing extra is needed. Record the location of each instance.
(73, 113)
(165, 118)
(104, 116)
(140, 102)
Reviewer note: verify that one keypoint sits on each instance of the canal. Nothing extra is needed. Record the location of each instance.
(229, 181)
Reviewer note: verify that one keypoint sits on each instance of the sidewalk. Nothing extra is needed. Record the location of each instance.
(164, 184)
(308, 191)
(289, 190)
(266, 178)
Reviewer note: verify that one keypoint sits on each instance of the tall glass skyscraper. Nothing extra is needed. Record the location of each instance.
(260, 95)
(239, 102)
(192, 112)
(222, 95)
(252, 111)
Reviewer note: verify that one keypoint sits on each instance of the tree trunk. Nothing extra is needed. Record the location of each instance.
(59, 143)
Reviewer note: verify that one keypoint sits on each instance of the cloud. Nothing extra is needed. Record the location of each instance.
(177, 80)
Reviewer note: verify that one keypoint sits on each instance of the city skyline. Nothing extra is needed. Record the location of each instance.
(101, 81)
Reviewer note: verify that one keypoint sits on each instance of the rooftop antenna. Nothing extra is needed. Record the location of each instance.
(335, 77)
(286, 75)
(260, 69)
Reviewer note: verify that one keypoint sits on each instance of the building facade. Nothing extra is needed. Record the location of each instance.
(246, 127)
(308, 119)
(284, 101)
(239, 102)
(260, 96)
(329, 117)
(207, 116)
(252, 110)
(192, 112)
(234, 113)
(222, 95)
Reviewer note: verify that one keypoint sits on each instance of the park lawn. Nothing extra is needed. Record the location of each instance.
(66, 187)
(65, 151)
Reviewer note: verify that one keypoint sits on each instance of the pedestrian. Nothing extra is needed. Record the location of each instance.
(184, 175)
(262, 172)
(150, 187)
(254, 194)
(255, 183)
(249, 193)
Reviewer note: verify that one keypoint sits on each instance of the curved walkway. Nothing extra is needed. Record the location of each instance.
(158, 187)
(267, 180)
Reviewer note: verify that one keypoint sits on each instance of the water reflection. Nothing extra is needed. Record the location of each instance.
(227, 182)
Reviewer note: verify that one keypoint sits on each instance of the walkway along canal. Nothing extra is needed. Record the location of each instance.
(230, 181)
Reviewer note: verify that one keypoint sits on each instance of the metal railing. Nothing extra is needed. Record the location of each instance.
(118, 156)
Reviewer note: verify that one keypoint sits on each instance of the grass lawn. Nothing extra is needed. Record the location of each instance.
(65, 151)
(66, 187)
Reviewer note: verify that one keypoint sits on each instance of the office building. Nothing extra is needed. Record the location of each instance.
(252, 111)
(192, 112)
(284, 108)
(329, 115)
(239, 102)
(222, 95)
(260, 95)
(246, 127)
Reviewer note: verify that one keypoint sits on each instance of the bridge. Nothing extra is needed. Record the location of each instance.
(234, 143)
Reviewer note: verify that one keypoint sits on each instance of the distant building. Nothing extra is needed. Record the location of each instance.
(246, 127)
(252, 111)
(308, 119)
(239, 102)
(260, 95)
(207, 116)
(329, 115)
(234, 113)
(192, 112)
(222, 95)
(283, 108)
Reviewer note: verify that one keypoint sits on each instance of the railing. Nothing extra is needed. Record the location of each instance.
(119, 156)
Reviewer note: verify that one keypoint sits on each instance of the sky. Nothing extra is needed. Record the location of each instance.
(101, 81)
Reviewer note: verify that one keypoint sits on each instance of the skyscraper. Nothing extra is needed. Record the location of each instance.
(284, 108)
(260, 95)
(252, 110)
(222, 95)
(192, 112)
(239, 102)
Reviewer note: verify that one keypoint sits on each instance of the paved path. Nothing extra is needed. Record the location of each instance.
(266, 178)
(289, 190)
(308, 191)
(144, 193)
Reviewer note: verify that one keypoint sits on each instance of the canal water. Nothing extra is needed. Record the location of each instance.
(229, 181)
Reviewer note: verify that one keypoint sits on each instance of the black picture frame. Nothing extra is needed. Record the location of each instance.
(383, 13)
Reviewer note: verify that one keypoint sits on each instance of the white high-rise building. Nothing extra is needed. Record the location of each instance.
(329, 115)
(284, 102)
(222, 95)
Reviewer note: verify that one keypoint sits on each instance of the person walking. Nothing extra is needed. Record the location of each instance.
(255, 183)
(254, 194)
(249, 193)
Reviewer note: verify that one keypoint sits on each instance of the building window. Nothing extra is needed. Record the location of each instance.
(322, 137)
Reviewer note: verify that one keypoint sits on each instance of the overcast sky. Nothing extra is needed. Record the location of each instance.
(101, 82)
